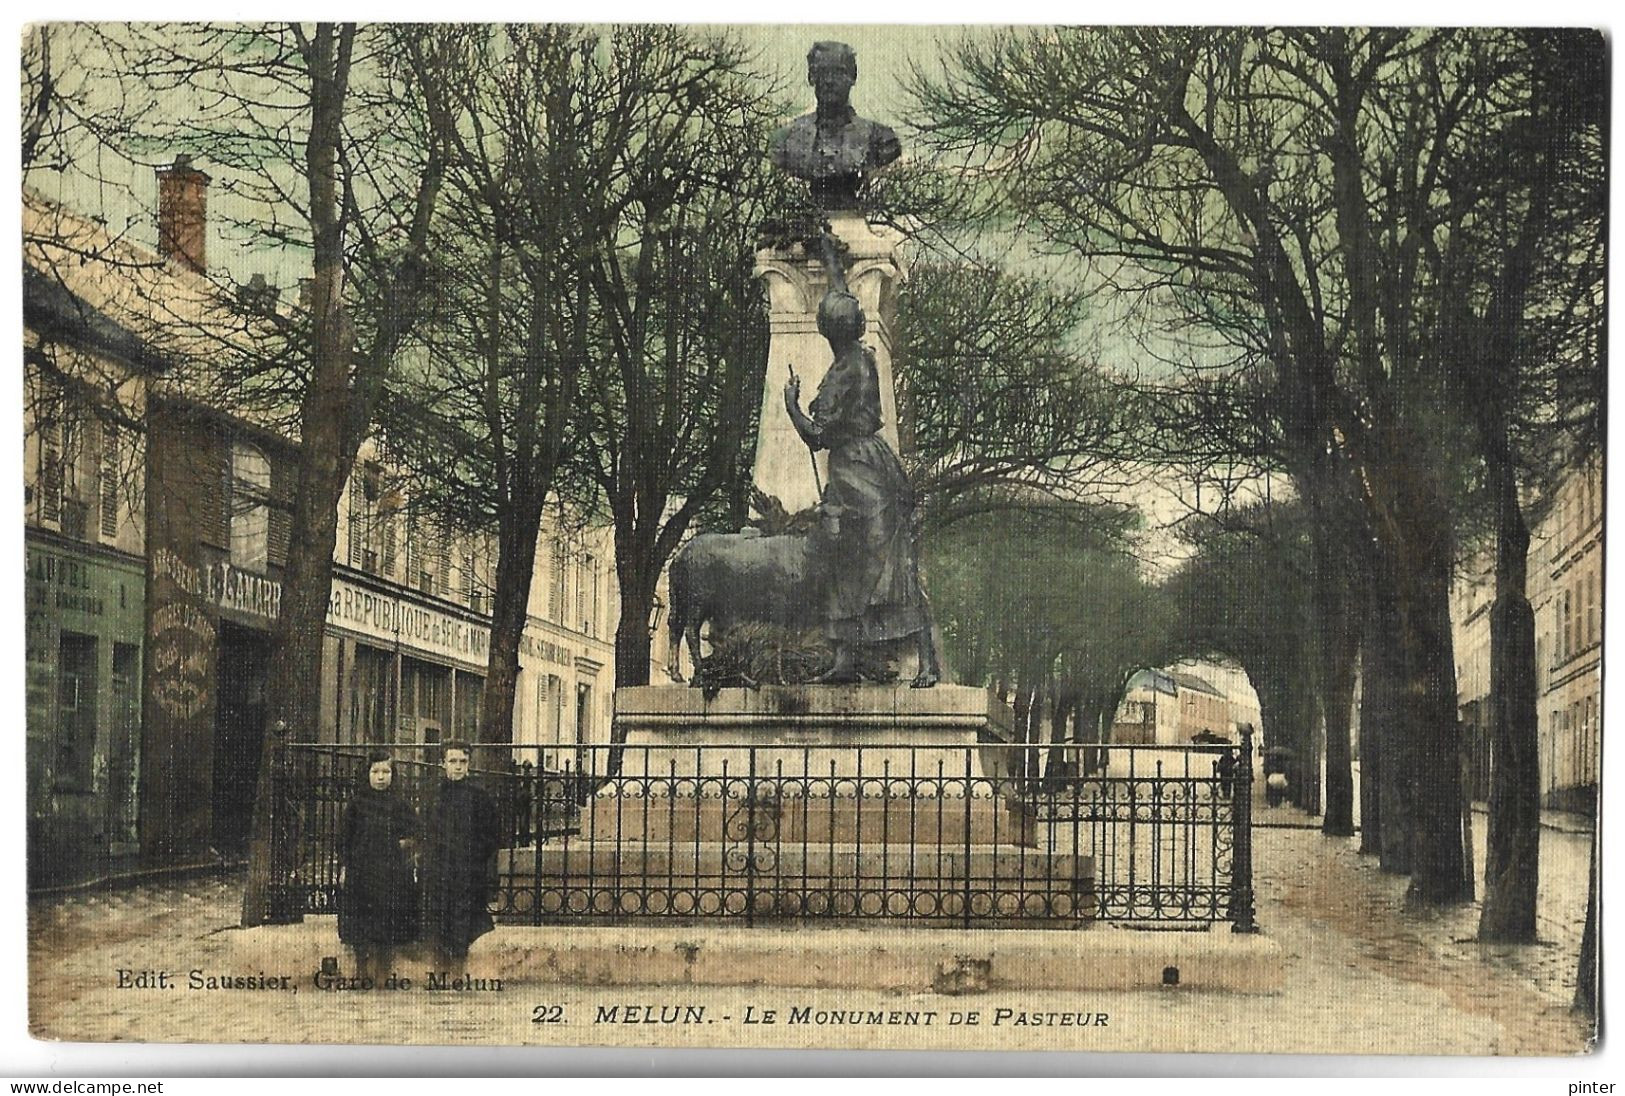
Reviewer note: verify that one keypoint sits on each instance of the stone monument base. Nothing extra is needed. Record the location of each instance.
(872, 732)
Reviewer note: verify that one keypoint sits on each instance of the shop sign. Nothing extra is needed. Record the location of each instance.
(221, 585)
(62, 583)
(545, 650)
(391, 619)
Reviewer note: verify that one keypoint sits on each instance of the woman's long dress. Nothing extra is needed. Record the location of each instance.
(867, 513)
(378, 902)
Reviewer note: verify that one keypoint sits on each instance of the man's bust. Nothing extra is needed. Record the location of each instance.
(832, 148)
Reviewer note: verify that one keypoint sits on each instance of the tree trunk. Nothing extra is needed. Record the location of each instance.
(632, 633)
(1062, 761)
(1380, 726)
(1337, 697)
(1512, 853)
(1586, 998)
(1337, 645)
(1307, 706)
(516, 568)
(328, 444)
(1438, 871)
(1371, 832)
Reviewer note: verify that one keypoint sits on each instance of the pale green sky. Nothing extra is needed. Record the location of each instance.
(884, 53)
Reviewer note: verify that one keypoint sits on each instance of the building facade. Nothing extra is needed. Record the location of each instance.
(1565, 573)
(83, 604)
(156, 532)
(1170, 707)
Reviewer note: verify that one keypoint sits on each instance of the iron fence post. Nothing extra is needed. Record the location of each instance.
(283, 900)
(750, 843)
(1241, 813)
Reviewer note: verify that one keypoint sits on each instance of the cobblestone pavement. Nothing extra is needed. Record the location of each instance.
(1364, 976)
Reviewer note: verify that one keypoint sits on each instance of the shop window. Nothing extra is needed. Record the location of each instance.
(583, 713)
(470, 694)
(75, 712)
(555, 709)
(425, 699)
(250, 508)
(371, 689)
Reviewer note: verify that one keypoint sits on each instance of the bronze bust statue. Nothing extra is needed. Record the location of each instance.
(833, 148)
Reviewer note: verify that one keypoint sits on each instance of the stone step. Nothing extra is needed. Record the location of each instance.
(798, 820)
(641, 864)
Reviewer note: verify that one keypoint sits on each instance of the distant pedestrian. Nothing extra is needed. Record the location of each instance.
(458, 867)
(378, 910)
(1275, 789)
(1225, 770)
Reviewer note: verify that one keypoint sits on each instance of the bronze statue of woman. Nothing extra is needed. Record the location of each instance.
(867, 527)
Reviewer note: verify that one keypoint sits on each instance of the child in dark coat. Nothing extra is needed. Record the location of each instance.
(460, 839)
(378, 895)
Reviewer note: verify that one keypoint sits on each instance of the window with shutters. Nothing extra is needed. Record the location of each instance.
(60, 426)
(428, 548)
(593, 606)
(250, 514)
(442, 558)
(108, 472)
(555, 589)
(48, 422)
(471, 586)
(357, 528)
(583, 574)
(414, 553)
(1591, 608)
(372, 524)
(387, 553)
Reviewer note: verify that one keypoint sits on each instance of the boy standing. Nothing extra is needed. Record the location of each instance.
(460, 839)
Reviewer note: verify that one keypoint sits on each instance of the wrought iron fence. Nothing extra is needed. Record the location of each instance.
(995, 835)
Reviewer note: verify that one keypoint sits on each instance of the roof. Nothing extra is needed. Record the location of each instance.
(99, 293)
(1193, 683)
(55, 312)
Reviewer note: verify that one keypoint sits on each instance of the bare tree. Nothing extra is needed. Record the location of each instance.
(487, 421)
(1000, 405)
(1284, 189)
(332, 142)
(668, 240)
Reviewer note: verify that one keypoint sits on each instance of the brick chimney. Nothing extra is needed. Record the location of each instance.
(183, 193)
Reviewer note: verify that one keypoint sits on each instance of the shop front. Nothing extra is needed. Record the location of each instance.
(82, 627)
(405, 668)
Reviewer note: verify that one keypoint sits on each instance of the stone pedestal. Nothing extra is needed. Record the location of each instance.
(874, 732)
(795, 283)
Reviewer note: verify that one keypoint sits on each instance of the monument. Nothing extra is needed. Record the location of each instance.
(836, 151)
(846, 795)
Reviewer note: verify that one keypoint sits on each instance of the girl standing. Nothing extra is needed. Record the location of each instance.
(378, 894)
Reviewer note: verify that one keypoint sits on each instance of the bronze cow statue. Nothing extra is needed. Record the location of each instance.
(726, 580)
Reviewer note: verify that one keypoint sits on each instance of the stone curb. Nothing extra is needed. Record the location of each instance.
(947, 960)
